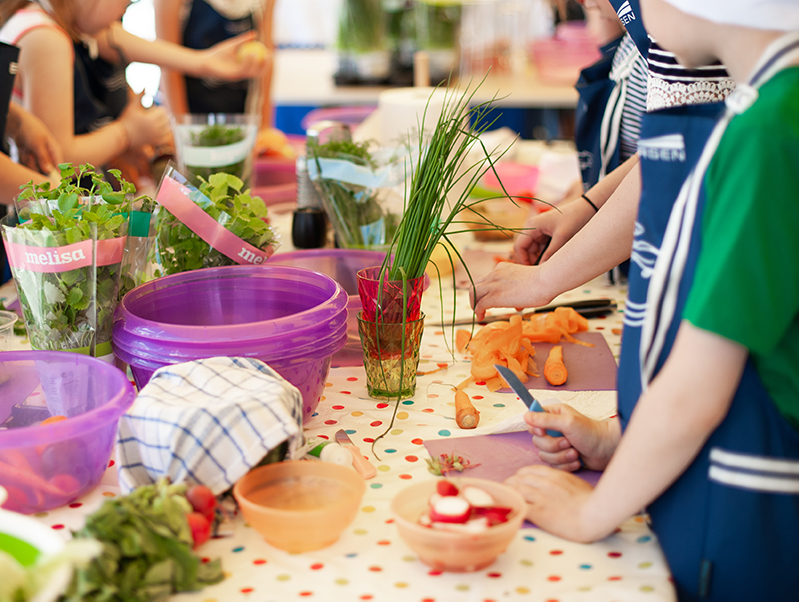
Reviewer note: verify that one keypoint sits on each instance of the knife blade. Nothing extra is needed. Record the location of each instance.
(525, 395)
(588, 308)
(364, 467)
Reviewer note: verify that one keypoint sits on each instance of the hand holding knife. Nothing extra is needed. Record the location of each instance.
(588, 308)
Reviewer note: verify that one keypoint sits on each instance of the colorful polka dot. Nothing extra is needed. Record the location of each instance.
(526, 562)
(646, 588)
(411, 458)
(341, 581)
(331, 421)
(553, 578)
(494, 575)
(477, 397)
(383, 468)
(645, 565)
(405, 476)
(356, 414)
(384, 542)
(397, 432)
(109, 494)
(407, 402)
(586, 567)
(428, 410)
(238, 549)
(380, 406)
(614, 578)
(402, 415)
(444, 433)
(529, 538)
(417, 441)
(644, 539)
(41, 514)
(499, 405)
(614, 554)
(432, 396)
(247, 590)
(375, 485)
(368, 509)
(522, 590)
(376, 569)
(434, 573)
(283, 577)
(555, 552)
(259, 561)
(462, 587)
(409, 558)
(338, 407)
(57, 527)
(316, 566)
(400, 585)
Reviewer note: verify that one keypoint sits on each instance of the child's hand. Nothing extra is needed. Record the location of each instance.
(592, 440)
(508, 285)
(549, 231)
(558, 502)
(230, 60)
(38, 149)
(146, 127)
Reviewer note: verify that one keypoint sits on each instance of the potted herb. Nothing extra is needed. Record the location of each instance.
(359, 191)
(216, 225)
(362, 45)
(214, 143)
(451, 160)
(65, 253)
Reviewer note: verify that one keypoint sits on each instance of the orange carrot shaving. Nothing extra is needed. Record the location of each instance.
(554, 369)
(464, 384)
(495, 384)
(532, 367)
(462, 338)
(466, 415)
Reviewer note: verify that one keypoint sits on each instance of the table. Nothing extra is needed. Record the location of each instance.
(370, 561)
(305, 78)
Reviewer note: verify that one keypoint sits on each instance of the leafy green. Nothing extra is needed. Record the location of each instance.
(71, 309)
(178, 249)
(217, 135)
(147, 549)
(360, 220)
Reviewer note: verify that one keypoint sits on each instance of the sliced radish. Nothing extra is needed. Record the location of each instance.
(446, 488)
(425, 520)
(477, 497)
(450, 509)
(494, 514)
(472, 526)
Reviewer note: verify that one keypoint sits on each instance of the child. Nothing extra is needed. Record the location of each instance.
(711, 447)
(199, 24)
(70, 75)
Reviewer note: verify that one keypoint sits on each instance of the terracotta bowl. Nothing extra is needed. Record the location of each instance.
(299, 506)
(456, 552)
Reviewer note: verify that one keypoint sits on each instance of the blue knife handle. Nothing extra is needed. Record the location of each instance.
(536, 407)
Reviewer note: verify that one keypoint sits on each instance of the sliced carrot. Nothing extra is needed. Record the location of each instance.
(466, 415)
(462, 338)
(494, 384)
(464, 384)
(532, 368)
(554, 369)
(52, 420)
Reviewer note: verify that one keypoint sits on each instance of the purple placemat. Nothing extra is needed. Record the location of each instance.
(497, 456)
(590, 368)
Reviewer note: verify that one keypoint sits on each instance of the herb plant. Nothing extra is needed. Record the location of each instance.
(147, 549)
(213, 136)
(178, 249)
(70, 309)
(362, 26)
(359, 218)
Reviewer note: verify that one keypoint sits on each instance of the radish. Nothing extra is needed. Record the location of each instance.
(446, 488)
(471, 526)
(477, 497)
(450, 509)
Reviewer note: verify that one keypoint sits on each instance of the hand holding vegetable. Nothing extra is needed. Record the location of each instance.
(146, 127)
(231, 61)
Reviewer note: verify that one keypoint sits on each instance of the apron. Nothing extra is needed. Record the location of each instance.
(729, 525)
(204, 28)
(594, 88)
(629, 12)
(101, 92)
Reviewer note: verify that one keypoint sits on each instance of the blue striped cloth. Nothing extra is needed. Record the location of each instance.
(208, 421)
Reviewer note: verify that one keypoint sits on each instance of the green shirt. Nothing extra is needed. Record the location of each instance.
(746, 285)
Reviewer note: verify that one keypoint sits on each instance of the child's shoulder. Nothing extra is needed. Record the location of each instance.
(24, 21)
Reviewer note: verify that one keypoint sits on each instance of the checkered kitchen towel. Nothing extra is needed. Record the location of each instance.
(208, 421)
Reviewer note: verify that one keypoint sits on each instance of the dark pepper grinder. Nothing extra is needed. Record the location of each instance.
(309, 226)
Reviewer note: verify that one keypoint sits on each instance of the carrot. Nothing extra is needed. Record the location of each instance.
(52, 420)
(554, 369)
(466, 415)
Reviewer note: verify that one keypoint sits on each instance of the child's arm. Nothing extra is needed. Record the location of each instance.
(38, 150)
(266, 36)
(46, 71)
(673, 419)
(219, 61)
(13, 175)
(550, 230)
(167, 28)
(601, 245)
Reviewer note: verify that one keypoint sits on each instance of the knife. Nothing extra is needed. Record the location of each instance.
(588, 308)
(364, 467)
(520, 390)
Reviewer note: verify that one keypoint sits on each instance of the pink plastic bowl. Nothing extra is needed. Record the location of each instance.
(44, 467)
(275, 181)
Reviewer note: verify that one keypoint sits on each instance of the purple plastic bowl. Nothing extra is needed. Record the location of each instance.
(44, 467)
(281, 315)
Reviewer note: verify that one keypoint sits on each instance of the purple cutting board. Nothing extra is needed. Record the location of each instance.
(497, 456)
(590, 368)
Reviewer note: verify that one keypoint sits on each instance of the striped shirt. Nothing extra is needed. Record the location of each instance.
(671, 84)
(635, 103)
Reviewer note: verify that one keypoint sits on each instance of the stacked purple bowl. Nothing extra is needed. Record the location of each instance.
(290, 318)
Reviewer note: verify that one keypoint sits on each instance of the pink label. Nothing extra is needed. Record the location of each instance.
(63, 259)
(175, 197)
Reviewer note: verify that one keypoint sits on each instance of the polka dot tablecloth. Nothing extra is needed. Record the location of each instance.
(370, 561)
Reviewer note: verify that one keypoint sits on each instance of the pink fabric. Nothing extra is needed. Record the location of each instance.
(62, 259)
(175, 198)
